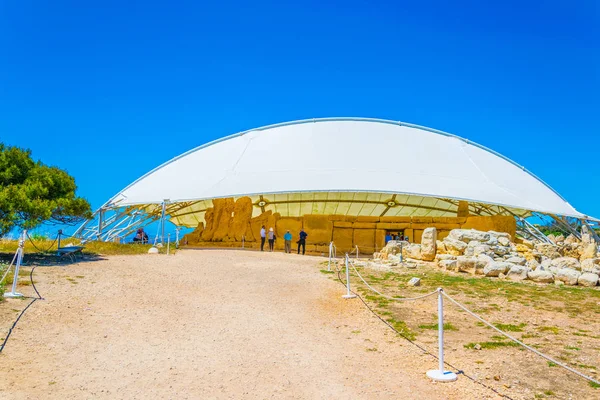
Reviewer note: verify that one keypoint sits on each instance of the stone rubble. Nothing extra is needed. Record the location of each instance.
(567, 260)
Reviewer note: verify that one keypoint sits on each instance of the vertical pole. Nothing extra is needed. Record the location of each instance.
(439, 374)
(100, 223)
(59, 234)
(356, 251)
(401, 260)
(243, 241)
(13, 293)
(177, 237)
(162, 222)
(441, 330)
(168, 243)
(349, 294)
(330, 254)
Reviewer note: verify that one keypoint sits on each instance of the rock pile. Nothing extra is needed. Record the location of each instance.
(567, 260)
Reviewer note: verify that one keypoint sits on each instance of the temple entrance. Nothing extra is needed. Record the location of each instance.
(394, 235)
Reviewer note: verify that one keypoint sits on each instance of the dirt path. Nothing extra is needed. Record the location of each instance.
(209, 324)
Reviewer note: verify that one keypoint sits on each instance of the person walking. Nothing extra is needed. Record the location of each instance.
(302, 241)
(288, 241)
(271, 239)
(263, 236)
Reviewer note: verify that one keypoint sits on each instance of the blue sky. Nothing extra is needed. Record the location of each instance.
(109, 90)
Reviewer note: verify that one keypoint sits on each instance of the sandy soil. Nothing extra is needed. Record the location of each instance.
(208, 324)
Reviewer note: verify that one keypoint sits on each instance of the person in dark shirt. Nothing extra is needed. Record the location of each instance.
(302, 241)
(388, 237)
(141, 236)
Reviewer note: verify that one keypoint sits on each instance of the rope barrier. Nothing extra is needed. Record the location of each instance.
(388, 297)
(37, 248)
(441, 293)
(9, 267)
(519, 342)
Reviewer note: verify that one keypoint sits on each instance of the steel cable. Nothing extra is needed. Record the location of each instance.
(389, 297)
(519, 342)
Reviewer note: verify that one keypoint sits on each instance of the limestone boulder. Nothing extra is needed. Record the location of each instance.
(242, 213)
(493, 241)
(413, 251)
(504, 241)
(571, 250)
(517, 260)
(517, 273)
(472, 265)
(567, 262)
(475, 248)
(568, 276)
(532, 264)
(224, 209)
(571, 239)
(207, 232)
(449, 265)
(588, 279)
(414, 282)
(540, 276)
(441, 247)
(467, 235)
(560, 238)
(453, 246)
(588, 251)
(591, 265)
(429, 244)
(466, 264)
(495, 268)
(441, 257)
(500, 250)
(500, 234)
(546, 263)
(547, 250)
(552, 238)
(521, 248)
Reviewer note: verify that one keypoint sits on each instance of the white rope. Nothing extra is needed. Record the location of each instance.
(9, 267)
(388, 297)
(519, 342)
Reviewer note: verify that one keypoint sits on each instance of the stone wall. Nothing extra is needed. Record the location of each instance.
(229, 222)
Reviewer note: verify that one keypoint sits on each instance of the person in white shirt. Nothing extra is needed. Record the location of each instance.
(263, 236)
(271, 239)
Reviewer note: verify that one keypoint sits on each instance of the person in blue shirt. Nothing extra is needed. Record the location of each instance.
(388, 237)
(302, 241)
(288, 241)
(263, 236)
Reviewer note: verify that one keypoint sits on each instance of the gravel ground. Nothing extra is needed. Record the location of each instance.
(208, 324)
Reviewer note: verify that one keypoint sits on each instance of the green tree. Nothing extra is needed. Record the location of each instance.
(32, 193)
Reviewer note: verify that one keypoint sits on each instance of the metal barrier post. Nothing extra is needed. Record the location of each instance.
(13, 293)
(168, 243)
(349, 294)
(330, 255)
(439, 374)
(401, 259)
(58, 239)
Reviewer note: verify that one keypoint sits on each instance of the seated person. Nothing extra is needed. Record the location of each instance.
(140, 236)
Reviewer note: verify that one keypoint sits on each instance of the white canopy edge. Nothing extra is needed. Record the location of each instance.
(120, 199)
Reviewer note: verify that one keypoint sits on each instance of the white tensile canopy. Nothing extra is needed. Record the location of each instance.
(333, 165)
